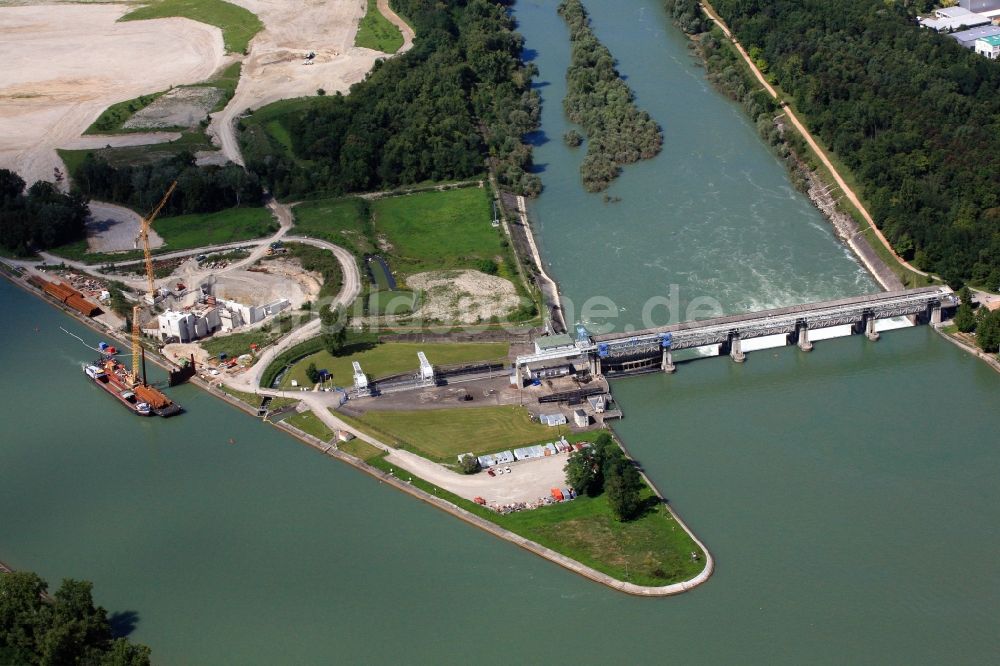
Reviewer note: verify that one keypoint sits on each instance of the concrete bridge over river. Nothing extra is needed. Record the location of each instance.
(652, 349)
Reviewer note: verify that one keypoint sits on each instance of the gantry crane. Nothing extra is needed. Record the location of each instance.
(148, 255)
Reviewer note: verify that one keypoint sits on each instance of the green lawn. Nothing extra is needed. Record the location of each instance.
(185, 232)
(437, 230)
(226, 81)
(399, 302)
(361, 449)
(650, 550)
(442, 434)
(308, 423)
(342, 221)
(391, 358)
(238, 25)
(376, 32)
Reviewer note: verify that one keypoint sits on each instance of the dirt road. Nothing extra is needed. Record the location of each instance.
(848, 192)
(63, 65)
(275, 69)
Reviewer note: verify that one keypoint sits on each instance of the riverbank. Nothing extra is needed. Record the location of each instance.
(990, 359)
(383, 476)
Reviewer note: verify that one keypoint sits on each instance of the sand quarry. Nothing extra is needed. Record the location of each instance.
(64, 63)
(274, 68)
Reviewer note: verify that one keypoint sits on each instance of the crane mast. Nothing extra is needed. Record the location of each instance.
(148, 256)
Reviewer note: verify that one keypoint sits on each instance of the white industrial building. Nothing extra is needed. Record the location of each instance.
(950, 19)
(210, 315)
(989, 46)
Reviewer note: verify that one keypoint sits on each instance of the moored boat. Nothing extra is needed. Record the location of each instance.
(107, 376)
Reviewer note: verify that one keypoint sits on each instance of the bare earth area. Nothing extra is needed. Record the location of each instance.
(114, 228)
(64, 64)
(466, 296)
(256, 288)
(274, 69)
(528, 480)
(181, 107)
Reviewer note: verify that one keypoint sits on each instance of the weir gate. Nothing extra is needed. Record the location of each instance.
(652, 349)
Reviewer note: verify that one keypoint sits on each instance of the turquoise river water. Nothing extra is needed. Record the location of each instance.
(848, 495)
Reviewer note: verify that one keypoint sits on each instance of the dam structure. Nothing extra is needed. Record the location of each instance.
(652, 349)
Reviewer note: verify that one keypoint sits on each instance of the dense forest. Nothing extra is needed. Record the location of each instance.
(64, 628)
(460, 95)
(915, 116)
(39, 218)
(199, 189)
(600, 102)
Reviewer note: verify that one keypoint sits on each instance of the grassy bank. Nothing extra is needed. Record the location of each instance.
(392, 358)
(189, 142)
(238, 25)
(308, 423)
(442, 434)
(237, 344)
(377, 32)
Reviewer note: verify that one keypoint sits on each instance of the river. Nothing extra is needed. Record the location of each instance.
(848, 495)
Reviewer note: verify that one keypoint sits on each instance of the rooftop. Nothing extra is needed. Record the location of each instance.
(973, 34)
(553, 342)
(992, 40)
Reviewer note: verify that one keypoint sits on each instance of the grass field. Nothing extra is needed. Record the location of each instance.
(185, 232)
(376, 32)
(438, 230)
(390, 358)
(238, 25)
(361, 449)
(442, 434)
(308, 423)
(398, 302)
(649, 550)
(346, 222)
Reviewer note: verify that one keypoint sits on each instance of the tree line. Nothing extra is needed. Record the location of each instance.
(983, 322)
(461, 95)
(602, 467)
(41, 217)
(910, 112)
(598, 100)
(66, 628)
(199, 189)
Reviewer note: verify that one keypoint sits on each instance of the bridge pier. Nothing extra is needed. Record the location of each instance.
(935, 315)
(736, 349)
(870, 331)
(803, 341)
(667, 364)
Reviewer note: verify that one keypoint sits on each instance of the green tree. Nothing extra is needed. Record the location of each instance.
(312, 372)
(988, 330)
(66, 629)
(623, 487)
(965, 318)
(468, 464)
(334, 321)
(583, 472)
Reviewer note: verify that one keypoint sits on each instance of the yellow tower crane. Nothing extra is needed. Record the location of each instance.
(148, 255)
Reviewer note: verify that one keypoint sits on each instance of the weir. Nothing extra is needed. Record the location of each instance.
(652, 349)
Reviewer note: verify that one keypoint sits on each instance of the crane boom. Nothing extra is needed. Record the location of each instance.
(144, 239)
